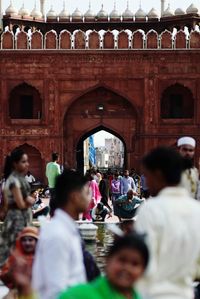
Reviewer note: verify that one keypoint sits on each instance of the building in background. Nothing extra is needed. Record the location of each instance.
(102, 157)
(111, 155)
(115, 149)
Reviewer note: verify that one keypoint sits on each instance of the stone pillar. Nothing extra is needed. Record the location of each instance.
(163, 6)
(42, 9)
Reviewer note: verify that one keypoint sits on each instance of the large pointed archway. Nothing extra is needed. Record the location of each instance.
(80, 146)
(99, 107)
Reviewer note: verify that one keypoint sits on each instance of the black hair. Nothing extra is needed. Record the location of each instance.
(55, 157)
(168, 161)
(14, 157)
(131, 241)
(66, 183)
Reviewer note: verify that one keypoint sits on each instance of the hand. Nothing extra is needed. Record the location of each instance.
(30, 201)
(22, 277)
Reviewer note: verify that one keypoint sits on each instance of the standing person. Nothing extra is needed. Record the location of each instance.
(127, 183)
(59, 258)
(95, 198)
(18, 199)
(190, 175)
(116, 186)
(171, 223)
(104, 190)
(24, 251)
(144, 188)
(52, 171)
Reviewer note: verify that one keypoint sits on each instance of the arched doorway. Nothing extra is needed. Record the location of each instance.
(36, 162)
(80, 151)
(100, 107)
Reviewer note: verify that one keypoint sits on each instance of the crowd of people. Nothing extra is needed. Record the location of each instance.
(155, 255)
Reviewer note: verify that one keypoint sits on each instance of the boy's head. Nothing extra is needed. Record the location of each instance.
(126, 261)
(55, 157)
(163, 167)
(72, 191)
(28, 240)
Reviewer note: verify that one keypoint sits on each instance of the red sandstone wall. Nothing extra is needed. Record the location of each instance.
(65, 78)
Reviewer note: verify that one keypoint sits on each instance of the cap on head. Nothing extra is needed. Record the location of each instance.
(186, 140)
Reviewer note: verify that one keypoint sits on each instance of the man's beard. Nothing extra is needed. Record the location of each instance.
(188, 163)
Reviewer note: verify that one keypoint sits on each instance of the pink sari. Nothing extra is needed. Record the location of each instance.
(96, 197)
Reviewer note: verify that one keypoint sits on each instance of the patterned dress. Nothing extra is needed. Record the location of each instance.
(16, 219)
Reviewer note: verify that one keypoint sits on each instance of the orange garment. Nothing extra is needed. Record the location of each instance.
(18, 253)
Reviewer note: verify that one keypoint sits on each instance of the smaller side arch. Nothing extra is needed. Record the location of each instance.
(194, 40)
(108, 40)
(79, 40)
(7, 40)
(123, 40)
(177, 102)
(166, 40)
(22, 40)
(137, 41)
(65, 40)
(152, 40)
(94, 40)
(50, 40)
(36, 40)
(180, 41)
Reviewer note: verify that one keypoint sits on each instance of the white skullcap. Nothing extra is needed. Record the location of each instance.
(186, 140)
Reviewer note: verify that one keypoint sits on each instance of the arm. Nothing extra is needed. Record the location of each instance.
(56, 272)
(58, 169)
(114, 189)
(21, 203)
(133, 185)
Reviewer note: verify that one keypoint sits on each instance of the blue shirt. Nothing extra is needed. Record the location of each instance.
(127, 184)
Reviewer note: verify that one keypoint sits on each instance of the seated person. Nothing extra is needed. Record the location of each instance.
(24, 251)
(99, 212)
(39, 208)
(125, 206)
(30, 178)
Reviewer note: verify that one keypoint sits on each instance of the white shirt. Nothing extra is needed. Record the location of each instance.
(127, 183)
(190, 181)
(59, 260)
(171, 221)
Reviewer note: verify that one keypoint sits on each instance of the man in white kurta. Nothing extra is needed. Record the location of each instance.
(171, 222)
(59, 259)
(190, 175)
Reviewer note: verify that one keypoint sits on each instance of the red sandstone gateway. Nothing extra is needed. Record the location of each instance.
(54, 81)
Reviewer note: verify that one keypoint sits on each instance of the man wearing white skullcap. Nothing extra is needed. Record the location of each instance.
(190, 176)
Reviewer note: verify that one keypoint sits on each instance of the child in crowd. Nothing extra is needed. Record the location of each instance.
(100, 212)
(39, 208)
(126, 263)
(24, 251)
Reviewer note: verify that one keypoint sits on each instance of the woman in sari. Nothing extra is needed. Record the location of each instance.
(18, 200)
(95, 197)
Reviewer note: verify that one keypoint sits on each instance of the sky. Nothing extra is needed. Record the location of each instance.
(99, 138)
(96, 4)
